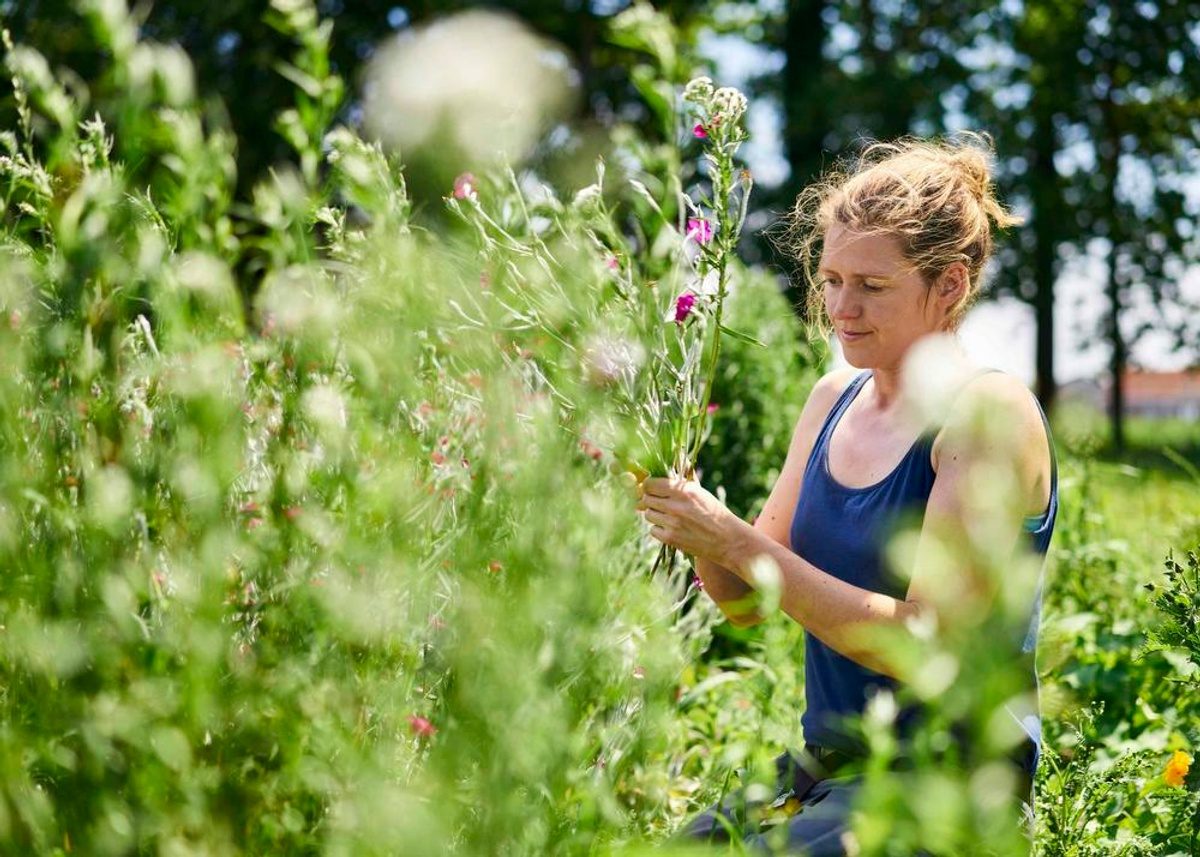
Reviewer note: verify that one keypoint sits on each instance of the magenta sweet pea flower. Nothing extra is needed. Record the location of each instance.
(683, 306)
(698, 132)
(699, 229)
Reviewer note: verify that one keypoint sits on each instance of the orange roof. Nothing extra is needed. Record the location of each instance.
(1159, 386)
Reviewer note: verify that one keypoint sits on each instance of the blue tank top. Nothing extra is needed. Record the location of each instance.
(843, 531)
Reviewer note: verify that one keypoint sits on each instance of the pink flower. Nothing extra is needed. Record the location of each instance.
(683, 306)
(613, 263)
(699, 229)
(421, 727)
(464, 187)
(698, 132)
(712, 407)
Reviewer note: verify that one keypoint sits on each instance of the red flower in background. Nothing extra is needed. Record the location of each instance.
(421, 727)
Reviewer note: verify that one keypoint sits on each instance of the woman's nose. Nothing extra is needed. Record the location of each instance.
(842, 305)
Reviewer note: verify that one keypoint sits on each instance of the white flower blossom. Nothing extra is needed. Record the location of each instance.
(587, 197)
(729, 102)
(698, 90)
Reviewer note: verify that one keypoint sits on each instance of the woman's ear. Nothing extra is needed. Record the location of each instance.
(953, 285)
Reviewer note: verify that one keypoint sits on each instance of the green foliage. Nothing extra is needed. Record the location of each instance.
(282, 573)
(312, 535)
(1178, 600)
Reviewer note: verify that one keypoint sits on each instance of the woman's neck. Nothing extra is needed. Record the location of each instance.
(890, 383)
(888, 386)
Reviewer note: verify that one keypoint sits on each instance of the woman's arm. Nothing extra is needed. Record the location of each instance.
(733, 595)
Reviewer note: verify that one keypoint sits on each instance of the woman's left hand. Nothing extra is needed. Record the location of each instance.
(683, 514)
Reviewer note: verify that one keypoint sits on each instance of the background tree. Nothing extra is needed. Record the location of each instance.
(237, 52)
(1097, 112)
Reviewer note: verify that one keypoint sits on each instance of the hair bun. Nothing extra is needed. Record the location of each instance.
(975, 169)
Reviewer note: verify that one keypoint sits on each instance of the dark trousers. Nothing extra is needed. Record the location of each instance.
(809, 812)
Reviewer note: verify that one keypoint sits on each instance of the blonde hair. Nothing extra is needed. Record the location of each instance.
(936, 197)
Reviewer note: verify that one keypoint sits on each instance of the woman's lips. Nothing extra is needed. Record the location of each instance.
(852, 337)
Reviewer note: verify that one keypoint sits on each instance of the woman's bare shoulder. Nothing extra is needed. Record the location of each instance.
(820, 402)
(824, 394)
(997, 409)
(831, 385)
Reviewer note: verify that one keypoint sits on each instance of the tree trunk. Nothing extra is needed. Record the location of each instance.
(1117, 361)
(805, 110)
(1045, 214)
(1110, 151)
(805, 118)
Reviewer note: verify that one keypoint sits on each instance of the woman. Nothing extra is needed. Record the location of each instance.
(903, 240)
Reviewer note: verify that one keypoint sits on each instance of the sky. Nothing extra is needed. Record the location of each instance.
(998, 333)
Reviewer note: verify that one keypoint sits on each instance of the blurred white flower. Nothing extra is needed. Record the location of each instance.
(610, 358)
(935, 675)
(110, 497)
(768, 583)
(587, 197)
(881, 708)
(204, 274)
(482, 77)
(934, 372)
(325, 406)
(298, 301)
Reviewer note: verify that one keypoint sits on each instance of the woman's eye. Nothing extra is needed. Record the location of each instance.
(829, 282)
(872, 288)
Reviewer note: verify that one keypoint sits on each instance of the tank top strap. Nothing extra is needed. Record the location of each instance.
(839, 407)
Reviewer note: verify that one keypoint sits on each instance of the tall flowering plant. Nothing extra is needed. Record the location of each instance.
(674, 401)
(714, 225)
(678, 405)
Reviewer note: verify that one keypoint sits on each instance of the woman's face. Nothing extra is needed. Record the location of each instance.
(878, 306)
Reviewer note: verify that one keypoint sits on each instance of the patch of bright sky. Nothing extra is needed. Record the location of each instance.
(738, 61)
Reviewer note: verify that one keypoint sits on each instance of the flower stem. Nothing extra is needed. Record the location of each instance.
(721, 184)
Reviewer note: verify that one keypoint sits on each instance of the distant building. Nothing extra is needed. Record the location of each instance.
(1147, 394)
(1160, 394)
